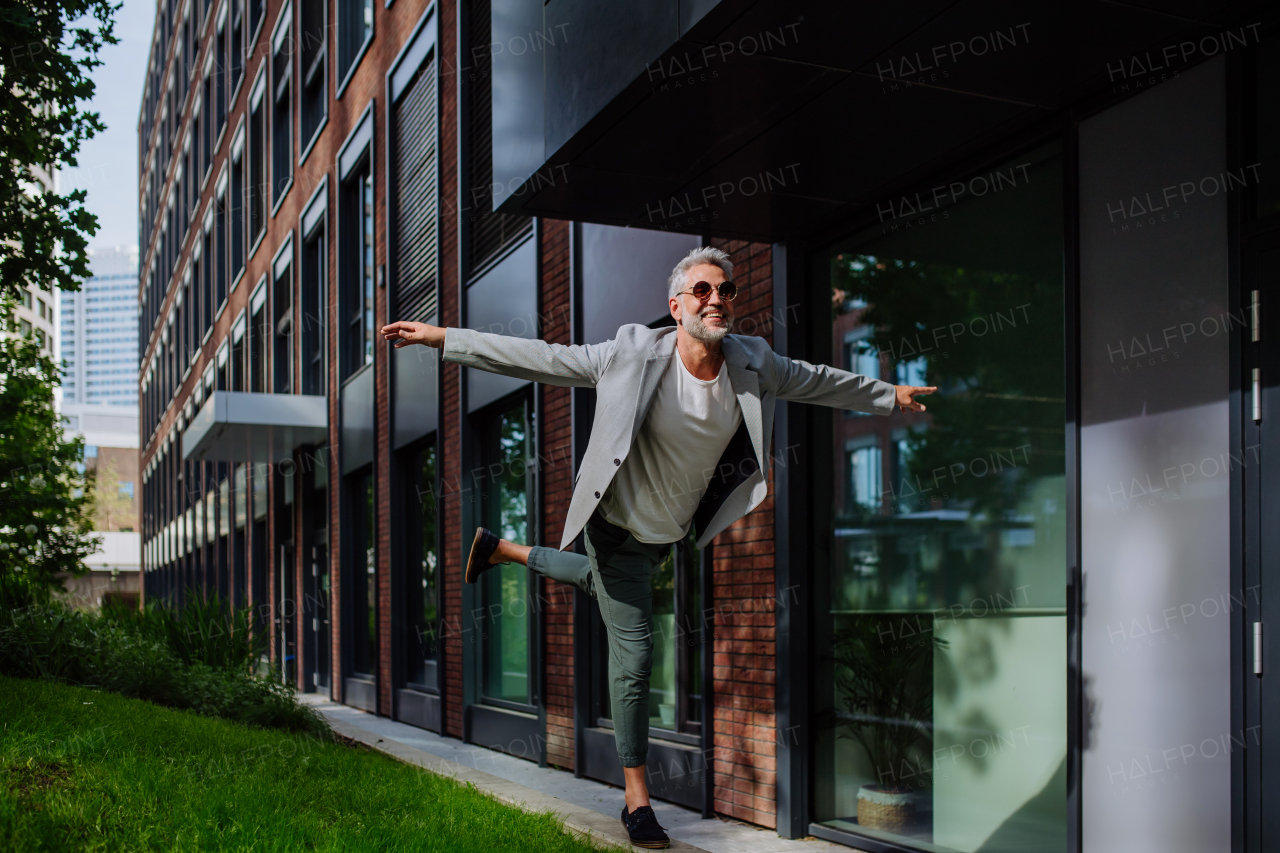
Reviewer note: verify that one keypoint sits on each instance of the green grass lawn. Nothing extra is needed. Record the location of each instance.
(84, 770)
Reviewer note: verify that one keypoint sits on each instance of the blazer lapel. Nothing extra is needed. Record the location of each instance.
(655, 367)
(746, 386)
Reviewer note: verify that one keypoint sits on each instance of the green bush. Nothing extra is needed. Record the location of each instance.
(199, 657)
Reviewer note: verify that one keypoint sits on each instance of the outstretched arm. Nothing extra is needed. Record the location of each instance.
(823, 385)
(523, 358)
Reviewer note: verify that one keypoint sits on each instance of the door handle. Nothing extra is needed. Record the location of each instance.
(1257, 648)
(1257, 395)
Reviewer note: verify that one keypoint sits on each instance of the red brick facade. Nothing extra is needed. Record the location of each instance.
(557, 490)
(743, 738)
(744, 598)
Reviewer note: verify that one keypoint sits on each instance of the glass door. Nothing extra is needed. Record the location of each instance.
(941, 706)
(1260, 334)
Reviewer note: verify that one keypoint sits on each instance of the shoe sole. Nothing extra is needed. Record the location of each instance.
(473, 573)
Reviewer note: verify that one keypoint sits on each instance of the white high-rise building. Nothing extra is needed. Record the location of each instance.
(99, 335)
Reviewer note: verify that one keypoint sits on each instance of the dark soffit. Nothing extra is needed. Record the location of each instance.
(824, 117)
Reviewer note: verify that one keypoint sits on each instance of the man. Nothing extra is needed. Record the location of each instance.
(683, 422)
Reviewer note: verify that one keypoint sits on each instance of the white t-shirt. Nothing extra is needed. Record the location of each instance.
(657, 489)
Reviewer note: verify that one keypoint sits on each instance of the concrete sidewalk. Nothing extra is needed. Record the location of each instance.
(586, 807)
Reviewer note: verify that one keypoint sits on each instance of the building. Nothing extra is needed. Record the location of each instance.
(1033, 617)
(32, 311)
(98, 339)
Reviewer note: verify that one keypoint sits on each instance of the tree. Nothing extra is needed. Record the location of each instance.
(47, 50)
(45, 504)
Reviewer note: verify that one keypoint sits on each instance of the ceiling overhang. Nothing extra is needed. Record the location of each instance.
(840, 106)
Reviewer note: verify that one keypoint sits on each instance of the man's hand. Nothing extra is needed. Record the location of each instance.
(906, 395)
(405, 333)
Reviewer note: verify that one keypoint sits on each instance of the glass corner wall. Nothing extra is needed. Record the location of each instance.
(941, 696)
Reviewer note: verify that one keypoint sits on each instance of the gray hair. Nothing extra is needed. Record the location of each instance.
(699, 256)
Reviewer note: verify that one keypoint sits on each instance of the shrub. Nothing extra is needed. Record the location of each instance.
(200, 657)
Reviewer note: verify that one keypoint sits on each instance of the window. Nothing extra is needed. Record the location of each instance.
(238, 354)
(422, 588)
(197, 154)
(314, 299)
(235, 46)
(358, 269)
(224, 377)
(282, 325)
(222, 70)
(206, 123)
(863, 472)
(209, 268)
(185, 304)
(256, 192)
(282, 110)
(259, 334)
(355, 28)
(363, 574)
(312, 54)
(414, 117)
(506, 504)
(945, 583)
(256, 10)
(235, 208)
(490, 232)
(222, 218)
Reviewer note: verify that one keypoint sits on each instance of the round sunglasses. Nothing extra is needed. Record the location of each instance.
(702, 290)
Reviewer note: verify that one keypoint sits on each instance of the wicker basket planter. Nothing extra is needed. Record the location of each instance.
(884, 808)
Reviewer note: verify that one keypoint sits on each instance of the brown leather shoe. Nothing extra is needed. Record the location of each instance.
(481, 550)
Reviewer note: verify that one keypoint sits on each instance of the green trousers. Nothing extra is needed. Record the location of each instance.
(616, 574)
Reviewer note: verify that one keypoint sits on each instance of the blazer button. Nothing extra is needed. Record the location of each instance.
(617, 462)
(597, 494)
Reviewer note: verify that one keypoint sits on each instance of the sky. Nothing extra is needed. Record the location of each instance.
(109, 162)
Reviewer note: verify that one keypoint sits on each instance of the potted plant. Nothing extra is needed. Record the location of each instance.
(884, 695)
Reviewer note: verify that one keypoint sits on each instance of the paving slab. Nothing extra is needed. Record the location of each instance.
(587, 807)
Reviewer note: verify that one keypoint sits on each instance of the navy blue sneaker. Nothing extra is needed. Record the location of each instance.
(644, 830)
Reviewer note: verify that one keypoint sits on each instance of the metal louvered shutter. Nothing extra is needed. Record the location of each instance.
(416, 205)
(490, 232)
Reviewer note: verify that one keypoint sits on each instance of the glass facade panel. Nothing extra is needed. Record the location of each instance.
(421, 582)
(941, 689)
(364, 575)
(507, 507)
(1156, 460)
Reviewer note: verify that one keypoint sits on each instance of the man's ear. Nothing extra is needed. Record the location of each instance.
(673, 305)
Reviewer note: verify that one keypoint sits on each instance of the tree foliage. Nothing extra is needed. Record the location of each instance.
(47, 50)
(45, 504)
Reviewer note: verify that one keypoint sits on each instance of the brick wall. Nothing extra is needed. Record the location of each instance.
(744, 737)
(557, 490)
(451, 402)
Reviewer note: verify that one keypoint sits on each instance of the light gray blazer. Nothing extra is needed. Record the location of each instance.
(625, 373)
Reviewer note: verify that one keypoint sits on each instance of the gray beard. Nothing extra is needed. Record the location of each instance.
(700, 331)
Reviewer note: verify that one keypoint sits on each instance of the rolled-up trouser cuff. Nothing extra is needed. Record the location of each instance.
(632, 761)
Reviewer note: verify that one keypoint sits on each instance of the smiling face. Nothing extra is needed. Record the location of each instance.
(707, 321)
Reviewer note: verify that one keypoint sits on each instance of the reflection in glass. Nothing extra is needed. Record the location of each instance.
(942, 698)
(506, 670)
(421, 577)
(364, 576)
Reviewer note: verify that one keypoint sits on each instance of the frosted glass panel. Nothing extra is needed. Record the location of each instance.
(1155, 515)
